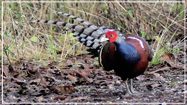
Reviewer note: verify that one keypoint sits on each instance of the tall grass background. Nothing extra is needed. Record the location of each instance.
(160, 23)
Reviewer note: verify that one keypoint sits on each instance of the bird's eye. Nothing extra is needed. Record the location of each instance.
(111, 35)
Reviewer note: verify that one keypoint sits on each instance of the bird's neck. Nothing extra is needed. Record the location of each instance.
(127, 51)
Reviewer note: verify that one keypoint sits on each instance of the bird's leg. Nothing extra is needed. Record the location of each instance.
(131, 87)
(127, 86)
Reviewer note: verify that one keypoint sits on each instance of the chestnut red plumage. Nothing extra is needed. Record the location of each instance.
(128, 56)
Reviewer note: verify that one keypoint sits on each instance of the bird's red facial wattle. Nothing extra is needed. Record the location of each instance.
(112, 35)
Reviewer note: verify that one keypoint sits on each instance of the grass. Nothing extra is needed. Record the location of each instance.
(160, 23)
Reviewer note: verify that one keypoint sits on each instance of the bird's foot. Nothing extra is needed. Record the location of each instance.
(132, 92)
(135, 92)
(128, 95)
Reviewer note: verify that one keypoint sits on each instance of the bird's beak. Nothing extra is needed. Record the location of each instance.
(104, 39)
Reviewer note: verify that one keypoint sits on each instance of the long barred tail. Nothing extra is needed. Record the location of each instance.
(88, 34)
(86, 23)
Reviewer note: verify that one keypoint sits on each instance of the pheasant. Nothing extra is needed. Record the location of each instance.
(128, 55)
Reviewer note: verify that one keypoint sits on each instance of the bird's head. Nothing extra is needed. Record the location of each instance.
(111, 36)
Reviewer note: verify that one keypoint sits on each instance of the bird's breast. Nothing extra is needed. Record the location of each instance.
(143, 49)
(107, 56)
(132, 66)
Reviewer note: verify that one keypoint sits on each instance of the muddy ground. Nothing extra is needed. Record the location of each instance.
(80, 79)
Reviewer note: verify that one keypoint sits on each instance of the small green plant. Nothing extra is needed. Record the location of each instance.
(181, 9)
(34, 39)
(143, 34)
(159, 51)
(13, 6)
(130, 13)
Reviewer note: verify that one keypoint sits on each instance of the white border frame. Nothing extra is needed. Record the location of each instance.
(185, 41)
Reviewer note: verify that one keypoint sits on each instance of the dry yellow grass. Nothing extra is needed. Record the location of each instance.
(161, 23)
